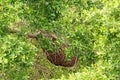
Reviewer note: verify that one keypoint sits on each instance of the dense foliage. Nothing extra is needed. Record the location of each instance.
(90, 27)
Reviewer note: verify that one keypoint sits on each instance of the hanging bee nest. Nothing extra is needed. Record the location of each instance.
(55, 57)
